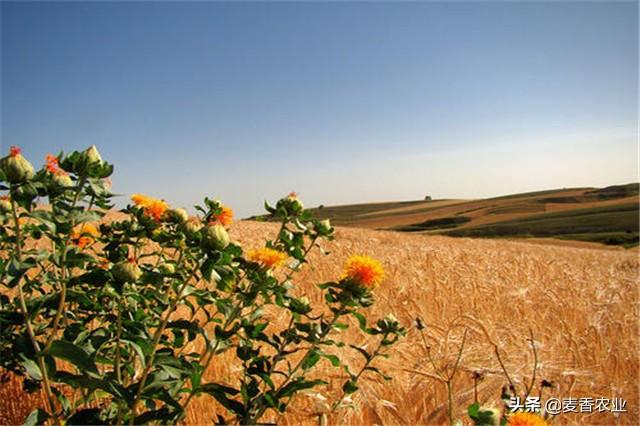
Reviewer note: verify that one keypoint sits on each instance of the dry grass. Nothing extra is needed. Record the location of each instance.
(581, 303)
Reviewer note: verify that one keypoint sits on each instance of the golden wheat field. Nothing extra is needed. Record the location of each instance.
(580, 303)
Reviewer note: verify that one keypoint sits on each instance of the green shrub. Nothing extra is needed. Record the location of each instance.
(104, 297)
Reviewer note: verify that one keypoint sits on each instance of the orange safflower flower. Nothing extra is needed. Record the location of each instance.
(364, 270)
(526, 419)
(224, 218)
(52, 163)
(53, 166)
(151, 206)
(14, 151)
(84, 234)
(267, 257)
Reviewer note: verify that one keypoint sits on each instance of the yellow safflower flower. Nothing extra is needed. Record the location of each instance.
(526, 419)
(267, 257)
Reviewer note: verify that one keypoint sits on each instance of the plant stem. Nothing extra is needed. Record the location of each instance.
(23, 307)
(450, 402)
(209, 353)
(313, 347)
(362, 370)
(63, 281)
(535, 364)
(304, 255)
(116, 363)
(156, 340)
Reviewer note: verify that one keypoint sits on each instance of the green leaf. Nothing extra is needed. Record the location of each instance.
(215, 387)
(311, 360)
(220, 392)
(481, 417)
(361, 319)
(364, 353)
(340, 325)
(376, 370)
(36, 417)
(138, 351)
(150, 416)
(335, 361)
(32, 369)
(208, 271)
(297, 386)
(269, 400)
(46, 218)
(349, 387)
(64, 401)
(86, 216)
(74, 354)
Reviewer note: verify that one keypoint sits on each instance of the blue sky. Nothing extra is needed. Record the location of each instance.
(341, 102)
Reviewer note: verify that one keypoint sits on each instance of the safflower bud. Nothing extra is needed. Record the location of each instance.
(5, 204)
(62, 180)
(324, 227)
(391, 318)
(167, 268)
(291, 204)
(178, 215)
(91, 156)
(15, 167)
(215, 237)
(295, 203)
(192, 226)
(126, 271)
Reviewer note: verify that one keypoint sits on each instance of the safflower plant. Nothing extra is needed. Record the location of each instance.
(102, 316)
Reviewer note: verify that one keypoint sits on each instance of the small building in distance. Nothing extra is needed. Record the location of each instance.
(427, 198)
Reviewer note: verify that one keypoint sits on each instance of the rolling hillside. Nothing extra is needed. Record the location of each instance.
(602, 215)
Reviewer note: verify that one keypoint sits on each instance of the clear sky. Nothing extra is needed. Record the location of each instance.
(340, 102)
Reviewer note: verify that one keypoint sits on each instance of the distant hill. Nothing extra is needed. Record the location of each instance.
(604, 215)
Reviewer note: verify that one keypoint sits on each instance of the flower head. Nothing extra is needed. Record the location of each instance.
(151, 206)
(140, 200)
(193, 225)
(127, 271)
(92, 156)
(215, 237)
(84, 234)
(526, 419)
(291, 204)
(52, 164)
(15, 167)
(364, 270)
(224, 218)
(267, 257)
(60, 177)
(391, 318)
(324, 227)
(5, 204)
(295, 202)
